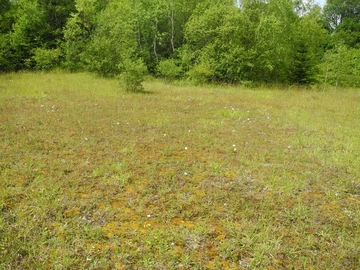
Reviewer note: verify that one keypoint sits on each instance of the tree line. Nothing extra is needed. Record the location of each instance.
(248, 42)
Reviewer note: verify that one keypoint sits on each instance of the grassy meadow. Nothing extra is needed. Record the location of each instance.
(180, 177)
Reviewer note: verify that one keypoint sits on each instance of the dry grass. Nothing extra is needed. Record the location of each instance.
(92, 177)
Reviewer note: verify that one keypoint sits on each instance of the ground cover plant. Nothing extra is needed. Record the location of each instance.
(94, 177)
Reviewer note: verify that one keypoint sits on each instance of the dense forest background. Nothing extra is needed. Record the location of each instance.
(249, 42)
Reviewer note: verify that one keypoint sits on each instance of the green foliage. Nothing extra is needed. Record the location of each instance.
(29, 33)
(343, 21)
(309, 39)
(215, 43)
(201, 73)
(113, 39)
(7, 15)
(56, 13)
(160, 28)
(270, 49)
(341, 67)
(38, 24)
(7, 61)
(4, 6)
(241, 44)
(132, 75)
(87, 12)
(302, 69)
(75, 42)
(247, 42)
(170, 69)
(46, 59)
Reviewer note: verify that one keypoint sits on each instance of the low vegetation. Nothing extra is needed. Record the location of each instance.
(218, 177)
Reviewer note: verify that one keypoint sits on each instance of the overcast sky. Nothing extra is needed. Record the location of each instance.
(320, 2)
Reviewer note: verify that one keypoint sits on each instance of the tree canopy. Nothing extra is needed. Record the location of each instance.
(343, 21)
(246, 42)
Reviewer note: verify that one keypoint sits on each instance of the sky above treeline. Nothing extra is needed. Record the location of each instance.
(320, 2)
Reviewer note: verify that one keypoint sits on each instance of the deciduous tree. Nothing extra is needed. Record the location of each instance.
(343, 21)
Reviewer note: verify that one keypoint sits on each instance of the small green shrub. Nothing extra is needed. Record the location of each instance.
(134, 72)
(46, 59)
(169, 69)
(200, 73)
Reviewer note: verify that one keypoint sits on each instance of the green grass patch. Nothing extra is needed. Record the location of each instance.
(92, 177)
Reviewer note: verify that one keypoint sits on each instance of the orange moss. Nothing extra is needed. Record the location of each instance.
(72, 213)
(180, 222)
